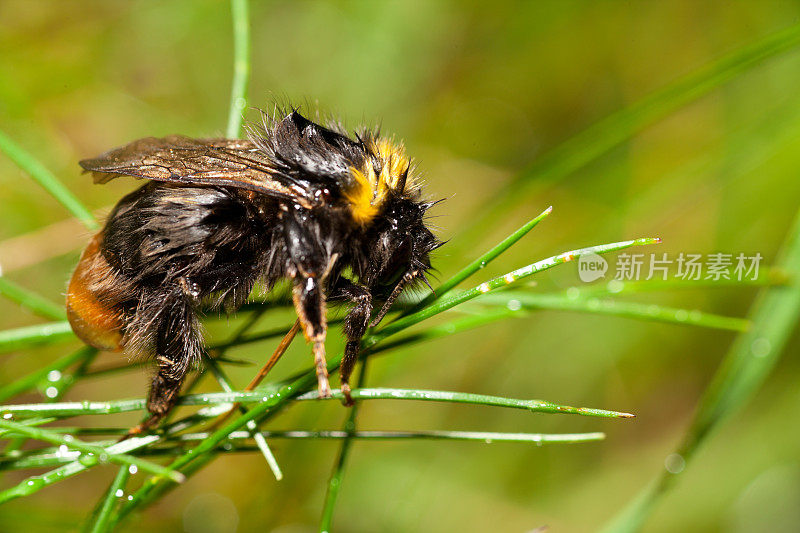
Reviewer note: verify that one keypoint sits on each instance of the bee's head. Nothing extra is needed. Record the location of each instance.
(400, 243)
(369, 179)
(366, 172)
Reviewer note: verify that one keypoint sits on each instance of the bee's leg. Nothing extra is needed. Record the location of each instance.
(407, 278)
(309, 302)
(164, 391)
(355, 325)
(310, 263)
(177, 346)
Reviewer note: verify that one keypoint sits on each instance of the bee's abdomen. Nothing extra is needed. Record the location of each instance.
(94, 313)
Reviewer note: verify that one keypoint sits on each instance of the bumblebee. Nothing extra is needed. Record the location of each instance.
(339, 216)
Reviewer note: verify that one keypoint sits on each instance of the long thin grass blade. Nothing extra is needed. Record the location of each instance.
(95, 454)
(47, 179)
(241, 66)
(68, 409)
(28, 336)
(43, 374)
(605, 306)
(774, 316)
(30, 300)
(263, 446)
(603, 136)
(337, 474)
(502, 281)
(482, 261)
(102, 519)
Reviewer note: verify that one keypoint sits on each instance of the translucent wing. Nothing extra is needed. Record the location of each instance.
(226, 162)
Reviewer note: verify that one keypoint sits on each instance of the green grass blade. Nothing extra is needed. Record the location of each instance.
(36, 483)
(608, 133)
(31, 422)
(206, 447)
(58, 385)
(502, 281)
(30, 300)
(766, 277)
(68, 409)
(28, 336)
(605, 306)
(50, 458)
(47, 179)
(99, 453)
(263, 446)
(483, 260)
(534, 406)
(754, 353)
(337, 475)
(487, 437)
(103, 522)
(273, 401)
(144, 497)
(241, 66)
(34, 378)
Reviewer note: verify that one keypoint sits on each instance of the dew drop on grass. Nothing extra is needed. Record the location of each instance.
(514, 305)
(573, 293)
(615, 286)
(760, 347)
(33, 485)
(674, 463)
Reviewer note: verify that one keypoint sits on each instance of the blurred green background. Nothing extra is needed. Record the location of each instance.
(477, 90)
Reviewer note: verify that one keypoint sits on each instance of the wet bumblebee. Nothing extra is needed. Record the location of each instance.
(341, 217)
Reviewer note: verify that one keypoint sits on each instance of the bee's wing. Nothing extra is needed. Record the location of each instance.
(227, 162)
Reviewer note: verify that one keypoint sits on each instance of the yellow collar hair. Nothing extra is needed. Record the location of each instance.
(372, 187)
